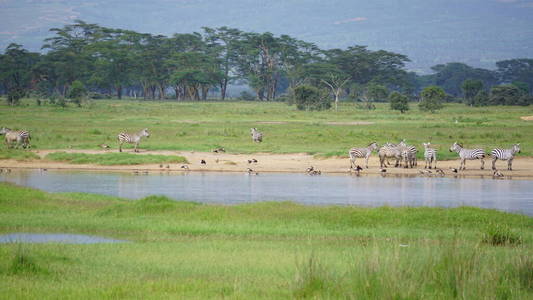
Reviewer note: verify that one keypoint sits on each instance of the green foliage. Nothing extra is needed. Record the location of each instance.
(452, 76)
(500, 235)
(109, 159)
(311, 98)
(507, 94)
(431, 99)
(14, 95)
(471, 88)
(399, 102)
(517, 71)
(481, 99)
(377, 92)
(246, 96)
(76, 92)
(22, 263)
(18, 155)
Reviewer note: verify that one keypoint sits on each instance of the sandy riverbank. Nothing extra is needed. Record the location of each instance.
(291, 163)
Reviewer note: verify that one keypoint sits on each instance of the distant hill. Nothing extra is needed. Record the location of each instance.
(477, 32)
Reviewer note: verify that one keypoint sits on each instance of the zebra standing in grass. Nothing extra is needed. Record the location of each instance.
(505, 154)
(408, 154)
(256, 135)
(361, 152)
(17, 137)
(124, 137)
(430, 155)
(468, 154)
(389, 151)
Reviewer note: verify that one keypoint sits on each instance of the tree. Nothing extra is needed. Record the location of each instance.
(431, 98)
(471, 88)
(335, 83)
(76, 92)
(399, 102)
(517, 70)
(309, 97)
(377, 92)
(506, 94)
(481, 99)
(451, 76)
(16, 72)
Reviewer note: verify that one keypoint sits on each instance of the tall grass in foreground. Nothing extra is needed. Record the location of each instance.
(17, 154)
(109, 159)
(455, 271)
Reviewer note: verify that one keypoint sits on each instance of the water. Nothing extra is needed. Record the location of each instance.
(234, 188)
(63, 238)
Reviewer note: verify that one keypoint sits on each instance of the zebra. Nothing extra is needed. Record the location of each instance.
(410, 156)
(256, 135)
(19, 137)
(505, 154)
(430, 155)
(124, 137)
(388, 151)
(361, 152)
(469, 154)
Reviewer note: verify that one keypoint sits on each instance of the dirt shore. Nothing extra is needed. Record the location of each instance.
(289, 163)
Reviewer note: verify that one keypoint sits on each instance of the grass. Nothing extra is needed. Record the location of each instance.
(109, 159)
(16, 154)
(203, 126)
(262, 250)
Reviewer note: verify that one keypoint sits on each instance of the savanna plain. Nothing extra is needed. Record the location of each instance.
(180, 249)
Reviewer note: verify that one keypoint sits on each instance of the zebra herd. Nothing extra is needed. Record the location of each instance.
(406, 154)
(400, 153)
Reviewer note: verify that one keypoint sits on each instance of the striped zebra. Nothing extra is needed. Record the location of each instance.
(505, 154)
(361, 152)
(389, 151)
(468, 154)
(17, 137)
(256, 135)
(124, 137)
(430, 155)
(408, 154)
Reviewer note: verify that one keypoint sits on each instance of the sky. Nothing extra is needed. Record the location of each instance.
(429, 32)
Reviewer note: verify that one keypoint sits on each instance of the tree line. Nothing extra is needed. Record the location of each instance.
(83, 58)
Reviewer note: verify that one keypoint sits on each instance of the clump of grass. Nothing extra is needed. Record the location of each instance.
(108, 159)
(95, 132)
(17, 154)
(312, 278)
(500, 235)
(23, 263)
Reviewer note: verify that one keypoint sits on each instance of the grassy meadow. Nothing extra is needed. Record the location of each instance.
(263, 250)
(202, 126)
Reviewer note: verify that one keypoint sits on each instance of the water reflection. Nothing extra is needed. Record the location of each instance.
(505, 195)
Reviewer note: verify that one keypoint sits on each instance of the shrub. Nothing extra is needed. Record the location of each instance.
(76, 92)
(246, 96)
(431, 99)
(399, 102)
(309, 97)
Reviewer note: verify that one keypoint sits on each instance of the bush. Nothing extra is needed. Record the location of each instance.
(506, 94)
(246, 96)
(481, 99)
(14, 96)
(399, 102)
(309, 97)
(431, 98)
(76, 92)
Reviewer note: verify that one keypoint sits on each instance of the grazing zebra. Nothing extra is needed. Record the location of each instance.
(124, 137)
(256, 135)
(505, 154)
(430, 155)
(410, 155)
(361, 152)
(469, 154)
(388, 151)
(17, 137)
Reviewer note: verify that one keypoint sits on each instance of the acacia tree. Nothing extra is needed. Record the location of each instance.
(16, 72)
(399, 102)
(471, 88)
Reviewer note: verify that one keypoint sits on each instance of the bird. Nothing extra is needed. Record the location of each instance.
(425, 172)
(160, 166)
(44, 169)
(185, 167)
(454, 170)
(251, 172)
(203, 162)
(497, 173)
(104, 146)
(249, 161)
(218, 150)
(135, 172)
(310, 169)
(254, 160)
(440, 172)
(383, 170)
(358, 168)
(168, 166)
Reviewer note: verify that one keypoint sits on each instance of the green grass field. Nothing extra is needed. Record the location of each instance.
(264, 250)
(202, 126)
(110, 159)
